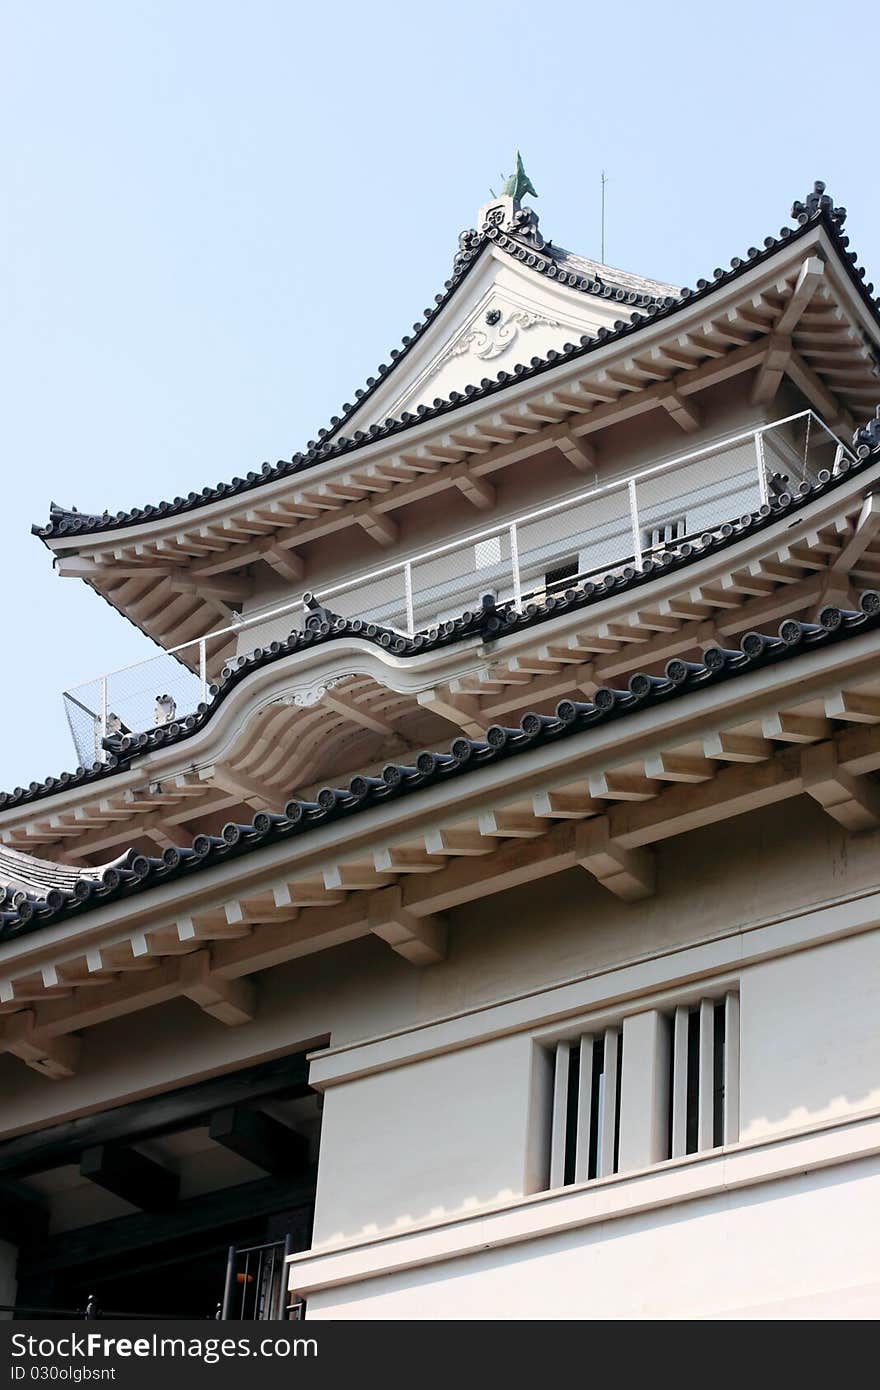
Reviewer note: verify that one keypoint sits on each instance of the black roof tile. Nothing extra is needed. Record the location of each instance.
(22, 911)
(817, 208)
(491, 623)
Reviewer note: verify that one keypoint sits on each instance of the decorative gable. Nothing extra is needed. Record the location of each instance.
(503, 312)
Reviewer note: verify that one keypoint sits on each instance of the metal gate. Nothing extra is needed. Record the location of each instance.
(256, 1284)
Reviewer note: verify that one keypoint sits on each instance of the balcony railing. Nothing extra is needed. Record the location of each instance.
(598, 531)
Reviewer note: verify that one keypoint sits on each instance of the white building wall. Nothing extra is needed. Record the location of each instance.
(455, 1126)
(422, 1142)
(810, 1041)
(416, 1143)
(795, 1246)
(800, 1247)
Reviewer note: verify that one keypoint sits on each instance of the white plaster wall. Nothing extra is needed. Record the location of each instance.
(810, 1044)
(439, 1137)
(800, 1247)
(451, 354)
(419, 1142)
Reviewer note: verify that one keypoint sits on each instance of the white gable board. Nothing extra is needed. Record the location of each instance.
(502, 314)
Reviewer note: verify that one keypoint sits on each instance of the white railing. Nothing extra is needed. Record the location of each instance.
(594, 532)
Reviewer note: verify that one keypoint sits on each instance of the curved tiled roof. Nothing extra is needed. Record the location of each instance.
(331, 443)
(22, 911)
(489, 623)
(23, 876)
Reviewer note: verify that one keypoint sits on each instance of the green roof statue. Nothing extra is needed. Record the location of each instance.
(519, 183)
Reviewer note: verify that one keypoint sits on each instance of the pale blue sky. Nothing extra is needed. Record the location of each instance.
(218, 218)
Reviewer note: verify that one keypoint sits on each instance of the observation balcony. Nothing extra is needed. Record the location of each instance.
(604, 529)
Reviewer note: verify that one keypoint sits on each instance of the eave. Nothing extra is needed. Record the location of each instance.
(595, 788)
(795, 309)
(802, 553)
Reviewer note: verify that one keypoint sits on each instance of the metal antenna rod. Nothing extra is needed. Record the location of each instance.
(604, 181)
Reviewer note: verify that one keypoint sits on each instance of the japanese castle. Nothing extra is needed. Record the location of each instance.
(472, 910)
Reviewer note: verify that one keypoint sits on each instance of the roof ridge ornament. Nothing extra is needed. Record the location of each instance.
(869, 433)
(817, 201)
(518, 184)
(506, 215)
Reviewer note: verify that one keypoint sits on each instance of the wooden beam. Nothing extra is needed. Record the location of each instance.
(287, 563)
(732, 792)
(790, 727)
(522, 825)
(406, 859)
(629, 874)
(678, 767)
(736, 748)
(685, 413)
(809, 278)
(461, 710)
(54, 1057)
(382, 528)
(421, 940)
(51, 1146)
(707, 374)
(566, 805)
(232, 1002)
(241, 784)
(467, 879)
(478, 491)
(579, 452)
(865, 531)
(853, 707)
(621, 786)
(312, 929)
(355, 877)
(854, 802)
(212, 925)
(456, 842)
(357, 714)
(773, 368)
(228, 586)
(208, 1212)
(130, 1175)
(261, 1139)
(818, 394)
(84, 567)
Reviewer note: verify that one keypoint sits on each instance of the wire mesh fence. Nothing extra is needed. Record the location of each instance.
(688, 501)
(795, 451)
(587, 538)
(447, 584)
(135, 698)
(597, 532)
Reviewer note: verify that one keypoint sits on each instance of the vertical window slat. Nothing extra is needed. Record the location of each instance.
(706, 1093)
(679, 1084)
(585, 1110)
(692, 1090)
(560, 1114)
(609, 1104)
(731, 1068)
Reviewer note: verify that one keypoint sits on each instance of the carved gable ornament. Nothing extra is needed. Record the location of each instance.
(497, 332)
